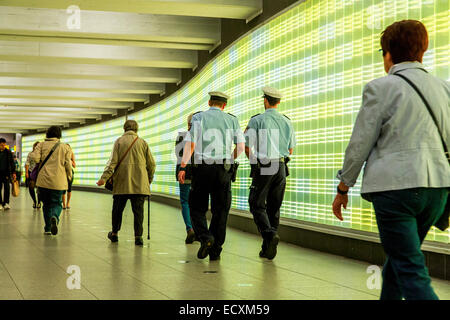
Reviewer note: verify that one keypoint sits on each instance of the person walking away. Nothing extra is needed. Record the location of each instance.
(186, 186)
(66, 205)
(270, 140)
(17, 168)
(212, 133)
(7, 174)
(131, 179)
(55, 170)
(406, 173)
(29, 182)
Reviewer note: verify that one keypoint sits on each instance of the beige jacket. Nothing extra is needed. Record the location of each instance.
(58, 169)
(135, 173)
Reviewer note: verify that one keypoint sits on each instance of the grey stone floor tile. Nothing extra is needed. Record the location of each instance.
(34, 266)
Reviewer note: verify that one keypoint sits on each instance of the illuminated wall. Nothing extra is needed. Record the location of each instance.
(319, 54)
(92, 147)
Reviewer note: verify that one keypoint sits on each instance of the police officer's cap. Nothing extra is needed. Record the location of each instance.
(218, 96)
(272, 92)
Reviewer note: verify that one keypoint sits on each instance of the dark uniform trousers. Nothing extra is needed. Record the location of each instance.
(210, 180)
(265, 199)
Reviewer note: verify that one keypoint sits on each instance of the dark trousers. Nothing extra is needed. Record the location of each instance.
(404, 218)
(265, 199)
(31, 190)
(52, 207)
(184, 199)
(137, 205)
(210, 180)
(4, 184)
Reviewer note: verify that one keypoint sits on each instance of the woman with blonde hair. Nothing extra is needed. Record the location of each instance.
(186, 186)
(66, 205)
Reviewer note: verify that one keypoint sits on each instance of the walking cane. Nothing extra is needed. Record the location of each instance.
(148, 215)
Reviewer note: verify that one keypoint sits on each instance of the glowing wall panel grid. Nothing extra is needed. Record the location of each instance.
(320, 54)
(92, 146)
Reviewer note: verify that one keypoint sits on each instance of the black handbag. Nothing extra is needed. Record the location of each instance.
(443, 222)
(109, 185)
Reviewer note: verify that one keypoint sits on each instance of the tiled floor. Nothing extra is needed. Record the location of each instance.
(34, 266)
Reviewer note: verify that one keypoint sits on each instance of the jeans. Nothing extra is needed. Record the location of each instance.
(51, 200)
(404, 218)
(4, 182)
(184, 199)
(137, 204)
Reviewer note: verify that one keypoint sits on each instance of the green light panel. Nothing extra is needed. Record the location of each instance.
(92, 146)
(320, 54)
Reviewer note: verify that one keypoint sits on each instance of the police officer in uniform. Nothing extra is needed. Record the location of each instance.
(270, 140)
(212, 135)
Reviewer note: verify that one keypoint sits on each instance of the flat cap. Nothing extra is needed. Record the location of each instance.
(219, 96)
(272, 92)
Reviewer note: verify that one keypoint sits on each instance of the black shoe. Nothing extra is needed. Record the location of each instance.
(204, 249)
(271, 251)
(34, 205)
(138, 241)
(262, 253)
(112, 238)
(190, 237)
(54, 226)
(213, 257)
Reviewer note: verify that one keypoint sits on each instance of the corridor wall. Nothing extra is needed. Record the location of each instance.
(320, 54)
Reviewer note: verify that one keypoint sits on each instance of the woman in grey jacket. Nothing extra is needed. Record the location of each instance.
(407, 174)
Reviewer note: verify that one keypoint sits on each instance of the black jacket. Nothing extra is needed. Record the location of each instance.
(179, 149)
(11, 167)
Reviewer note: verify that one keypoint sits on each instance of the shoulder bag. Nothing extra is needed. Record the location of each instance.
(34, 174)
(443, 222)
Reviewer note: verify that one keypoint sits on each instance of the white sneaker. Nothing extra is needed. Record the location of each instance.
(1, 207)
(6, 207)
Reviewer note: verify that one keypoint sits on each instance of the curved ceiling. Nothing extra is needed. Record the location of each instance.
(59, 65)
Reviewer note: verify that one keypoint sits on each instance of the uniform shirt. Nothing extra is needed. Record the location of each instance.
(396, 135)
(270, 135)
(213, 132)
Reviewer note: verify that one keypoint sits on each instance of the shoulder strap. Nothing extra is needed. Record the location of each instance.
(48, 156)
(447, 155)
(125, 154)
